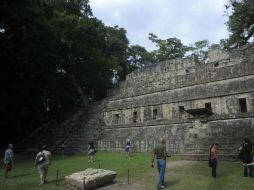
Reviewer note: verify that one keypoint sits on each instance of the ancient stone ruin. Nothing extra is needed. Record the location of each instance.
(189, 103)
(89, 179)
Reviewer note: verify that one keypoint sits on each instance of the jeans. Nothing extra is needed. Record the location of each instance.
(161, 165)
(214, 166)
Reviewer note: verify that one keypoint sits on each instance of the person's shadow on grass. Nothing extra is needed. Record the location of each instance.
(172, 183)
(19, 175)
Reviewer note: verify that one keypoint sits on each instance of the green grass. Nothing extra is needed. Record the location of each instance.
(195, 176)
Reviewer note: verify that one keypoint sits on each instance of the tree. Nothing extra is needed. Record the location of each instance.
(27, 54)
(116, 48)
(240, 23)
(200, 48)
(167, 49)
(54, 55)
(138, 57)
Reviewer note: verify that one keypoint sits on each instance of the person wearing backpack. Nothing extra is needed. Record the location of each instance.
(42, 161)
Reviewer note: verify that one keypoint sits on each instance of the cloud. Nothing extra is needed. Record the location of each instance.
(110, 3)
(188, 20)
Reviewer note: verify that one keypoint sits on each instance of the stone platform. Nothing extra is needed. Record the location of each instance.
(89, 179)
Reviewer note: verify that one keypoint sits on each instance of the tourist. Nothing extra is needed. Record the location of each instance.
(8, 159)
(252, 154)
(127, 148)
(91, 152)
(42, 161)
(213, 158)
(63, 145)
(160, 154)
(246, 152)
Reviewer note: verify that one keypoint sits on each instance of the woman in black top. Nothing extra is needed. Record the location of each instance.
(246, 153)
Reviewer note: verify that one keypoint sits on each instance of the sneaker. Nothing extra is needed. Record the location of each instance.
(162, 187)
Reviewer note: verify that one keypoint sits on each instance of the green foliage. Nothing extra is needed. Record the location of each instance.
(240, 23)
(202, 47)
(170, 48)
(138, 57)
(180, 175)
(54, 54)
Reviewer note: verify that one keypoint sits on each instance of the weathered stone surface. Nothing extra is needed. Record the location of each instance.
(89, 179)
(159, 96)
(154, 100)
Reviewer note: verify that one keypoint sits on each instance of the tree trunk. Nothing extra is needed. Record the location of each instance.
(83, 97)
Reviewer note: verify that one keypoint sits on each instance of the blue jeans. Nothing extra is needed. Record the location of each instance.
(161, 165)
(214, 166)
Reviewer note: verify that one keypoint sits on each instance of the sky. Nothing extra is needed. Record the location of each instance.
(187, 20)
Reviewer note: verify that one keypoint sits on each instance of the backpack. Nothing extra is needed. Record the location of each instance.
(41, 158)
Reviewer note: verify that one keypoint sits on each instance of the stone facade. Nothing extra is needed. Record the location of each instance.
(189, 103)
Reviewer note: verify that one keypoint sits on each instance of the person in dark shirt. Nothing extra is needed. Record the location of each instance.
(246, 152)
(160, 153)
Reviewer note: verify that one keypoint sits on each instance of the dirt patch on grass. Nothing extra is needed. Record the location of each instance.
(124, 186)
(137, 186)
(179, 163)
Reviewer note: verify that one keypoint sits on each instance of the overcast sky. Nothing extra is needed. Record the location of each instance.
(188, 20)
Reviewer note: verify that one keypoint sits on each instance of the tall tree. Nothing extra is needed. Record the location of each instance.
(167, 49)
(241, 22)
(116, 48)
(54, 54)
(138, 56)
(200, 48)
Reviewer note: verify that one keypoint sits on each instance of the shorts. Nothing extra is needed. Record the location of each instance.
(91, 152)
(8, 167)
(127, 148)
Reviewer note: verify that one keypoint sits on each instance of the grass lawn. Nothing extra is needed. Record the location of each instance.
(179, 175)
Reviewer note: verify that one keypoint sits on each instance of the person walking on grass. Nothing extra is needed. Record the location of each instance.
(160, 153)
(42, 161)
(63, 146)
(127, 148)
(91, 152)
(247, 158)
(8, 159)
(213, 158)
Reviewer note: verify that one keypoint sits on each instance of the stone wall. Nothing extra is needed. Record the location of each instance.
(154, 102)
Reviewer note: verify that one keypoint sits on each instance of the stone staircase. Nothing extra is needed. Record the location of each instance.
(198, 149)
(88, 128)
(83, 126)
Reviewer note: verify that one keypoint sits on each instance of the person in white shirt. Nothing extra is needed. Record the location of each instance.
(42, 161)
